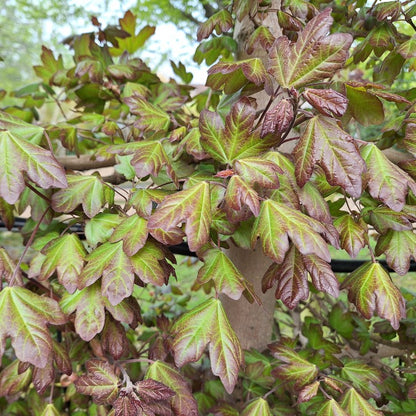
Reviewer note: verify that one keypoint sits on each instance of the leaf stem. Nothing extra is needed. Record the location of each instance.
(38, 193)
(28, 244)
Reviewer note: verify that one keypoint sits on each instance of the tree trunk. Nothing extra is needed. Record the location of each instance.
(253, 323)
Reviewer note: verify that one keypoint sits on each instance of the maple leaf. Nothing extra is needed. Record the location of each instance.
(328, 102)
(331, 408)
(384, 219)
(203, 325)
(99, 228)
(26, 131)
(191, 206)
(14, 381)
(255, 170)
(323, 278)
(239, 194)
(355, 404)
(371, 290)
(183, 403)
(313, 57)
(50, 410)
(149, 157)
(25, 319)
(151, 390)
(308, 392)
(277, 223)
(325, 143)
(235, 139)
(353, 233)
(65, 255)
(113, 339)
(278, 118)
(260, 36)
(8, 269)
(150, 264)
(18, 157)
(225, 275)
(295, 368)
(110, 262)
(100, 382)
(221, 22)
(258, 407)
(142, 200)
(399, 247)
(133, 232)
(88, 191)
(386, 181)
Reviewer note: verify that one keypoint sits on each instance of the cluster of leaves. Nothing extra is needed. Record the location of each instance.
(88, 327)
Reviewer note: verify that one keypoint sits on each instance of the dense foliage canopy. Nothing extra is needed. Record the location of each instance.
(302, 145)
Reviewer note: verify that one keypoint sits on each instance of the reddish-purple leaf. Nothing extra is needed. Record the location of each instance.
(7, 213)
(43, 377)
(371, 290)
(61, 358)
(25, 316)
(278, 118)
(191, 206)
(325, 143)
(328, 102)
(151, 390)
(100, 382)
(239, 194)
(260, 36)
(12, 381)
(308, 392)
(8, 270)
(258, 171)
(128, 404)
(323, 278)
(315, 55)
(221, 22)
(353, 233)
(113, 339)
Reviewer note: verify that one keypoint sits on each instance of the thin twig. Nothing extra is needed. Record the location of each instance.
(38, 193)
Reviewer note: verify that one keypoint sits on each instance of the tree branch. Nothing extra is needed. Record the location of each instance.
(84, 162)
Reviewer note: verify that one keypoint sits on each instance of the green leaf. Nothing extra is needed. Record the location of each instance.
(221, 22)
(355, 404)
(408, 48)
(191, 206)
(295, 368)
(363, 106)
(234, 140)
(20, 128)
(152, 117)
(399, 247)
(256, 170)
(100, 382)
(385, 181)
(331, 408)
(110, 262)
(99, 228)
(203, 325)
(325, 143)
(313, 57)
(8, 268)
(353, 233)
(142, 200)
(50, 410)
(90, 313)
(225, 275)
(7, 213)
(149, 157)
(260, 36)
(133, 232)
(12, 381)
(258, 407)
(65, 255)
(18, 156)
(277, 223)
(371, 290)
(364, 378)
(150, 264)
(25, 316)
(183, 403)
(384, 219)
(88, 191)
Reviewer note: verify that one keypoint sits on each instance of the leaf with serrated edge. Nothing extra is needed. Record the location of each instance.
(183, 403)
(133, 231)
(25, 316)
(208, 324)
(238, 194)
(18, 156)
(313, 57)
(328, 102)
(385, 181)
(65, 255)
(323, 278)
(221, 22)
(353, 233)
(100, 382)
(221, 270)
(295, 368)
(87, 191)
(355, 404)
(325, 143)
(258, 407)
(399, 247)
(331, 408)
(261, 36)
(260, 171)
(90, 313)
(308, 392)
(371, 290)
(191, 206)
(277, 223)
